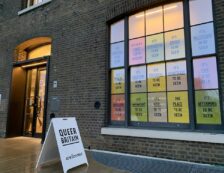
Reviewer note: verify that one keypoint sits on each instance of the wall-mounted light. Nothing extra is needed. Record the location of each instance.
(34, 64)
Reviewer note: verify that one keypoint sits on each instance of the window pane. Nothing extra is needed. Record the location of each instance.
(117, 81)
(138, 79)
(137, 25)
(155, 48)
(156, 77)
(173, 16)
(117, 55)
(178, 111)
(202, 39)
(200, 13)
(157, 107)
(208, 107)
(117, 32)
(176, 76)
(205, 73)
(137, 51)
(139, 107)
(154, 21)
(175, 44)
(117, 107)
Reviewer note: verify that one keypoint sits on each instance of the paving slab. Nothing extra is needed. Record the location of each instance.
(19, 155)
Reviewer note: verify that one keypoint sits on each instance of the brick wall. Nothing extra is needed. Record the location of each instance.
(79, 64)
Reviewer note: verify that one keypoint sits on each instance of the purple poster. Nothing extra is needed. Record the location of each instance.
(137, 51)
(205, 73)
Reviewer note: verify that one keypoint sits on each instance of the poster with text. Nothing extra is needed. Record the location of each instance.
(208, 107)
(117, 107)
(178, 109)
(176, 76)
(139, 107)
(117, 81)
(137, 51)
(205, 73)
(117, 55)
(175, 44)
(157, 108)
(156, 77)
(203, 39)
(138, 79)
(154, 48)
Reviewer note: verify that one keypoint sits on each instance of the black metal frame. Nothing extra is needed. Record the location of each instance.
(192, 126)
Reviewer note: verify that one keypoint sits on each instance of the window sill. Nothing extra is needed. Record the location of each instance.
(33, 7)
(169, 135)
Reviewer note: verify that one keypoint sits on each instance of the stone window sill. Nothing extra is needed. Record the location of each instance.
(33, 7)
(169, 135)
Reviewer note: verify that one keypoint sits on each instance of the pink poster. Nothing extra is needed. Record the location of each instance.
(137, 51)
(205, 73)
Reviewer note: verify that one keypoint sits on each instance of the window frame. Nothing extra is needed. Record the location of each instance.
(192, 125)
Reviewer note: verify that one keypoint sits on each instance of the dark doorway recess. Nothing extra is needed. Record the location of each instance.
(27, 106)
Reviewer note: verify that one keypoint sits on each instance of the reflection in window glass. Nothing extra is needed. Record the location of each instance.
(156, 77)
(155, 48)
(178, 110)
(208, 107)
(173, 16)
(117, 55)
(139, 107)
(202, 39)
(117, 107)
(205, 73)
(117, 32)
(200, 13)
(157, 107)
(117, 81)
(137, 25)
(137, 51)
(176, 76)
(138, 79)
(154, 21)
(175, 44)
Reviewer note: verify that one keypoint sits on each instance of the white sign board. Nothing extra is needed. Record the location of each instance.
(63, 140)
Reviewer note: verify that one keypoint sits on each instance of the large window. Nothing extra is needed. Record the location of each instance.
(163, 68)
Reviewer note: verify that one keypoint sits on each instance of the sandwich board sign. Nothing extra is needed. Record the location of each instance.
(63, 141)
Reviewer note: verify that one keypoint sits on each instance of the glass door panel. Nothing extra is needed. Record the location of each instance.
(30, 101)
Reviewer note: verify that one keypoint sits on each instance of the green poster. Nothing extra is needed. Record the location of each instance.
(139, 107)
(207, 107)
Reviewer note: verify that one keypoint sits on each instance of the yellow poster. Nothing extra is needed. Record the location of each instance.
(156, 77)
(117, 81)
(178, 109)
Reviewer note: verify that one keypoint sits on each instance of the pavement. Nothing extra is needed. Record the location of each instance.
(19, 155)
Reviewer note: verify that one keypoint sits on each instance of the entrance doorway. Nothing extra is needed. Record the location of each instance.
(34, 102)
(28, 92)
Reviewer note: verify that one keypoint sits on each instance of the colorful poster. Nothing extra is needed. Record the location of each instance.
(205, 73)
(202, 39)
(137, 51)
(178, 109)
(208, 107)
(176, 76)
(117, 81)
(155, 48)
(117, 55)
(117, 107)
(139, 107)
(156, 77)
(175, 44)
(138, 79)
(157, 107)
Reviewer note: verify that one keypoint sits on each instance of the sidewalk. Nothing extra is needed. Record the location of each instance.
(19, 155)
